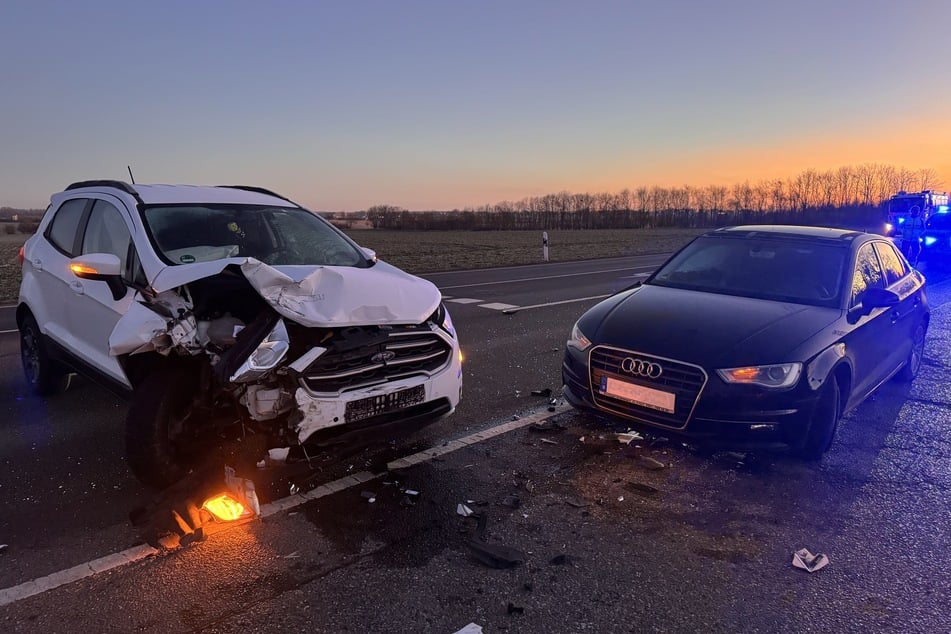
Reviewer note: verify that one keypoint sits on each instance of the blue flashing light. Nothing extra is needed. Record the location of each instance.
(929, 240)
(942, 209)
(901, 220)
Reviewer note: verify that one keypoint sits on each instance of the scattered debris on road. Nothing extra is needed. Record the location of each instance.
(515, 609)
(628, 436)
(805, 560)
(651, 464)
(471, 628)
(544, 392)
(463, 510)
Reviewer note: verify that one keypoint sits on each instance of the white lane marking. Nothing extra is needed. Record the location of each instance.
(137, 553)
(465, 300)
(564, 301)
(497, 306)
(8, 332)
(548, 277)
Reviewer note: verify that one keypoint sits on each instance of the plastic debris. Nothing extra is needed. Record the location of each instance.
(411, 492)
(463, 510)
(549, 442)
(512, 502)
(805, 560)
(544, 392)
(472, 628)
(627, 437)
(278, 454)
(639, 487)
(546, 426)
(651, 463)
(369, 496)
(496, 555)
(294, 489)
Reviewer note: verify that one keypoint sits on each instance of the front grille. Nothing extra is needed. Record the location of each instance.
(684, 380)
(363, 356)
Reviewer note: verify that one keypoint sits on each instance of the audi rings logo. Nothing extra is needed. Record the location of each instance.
(640, 367)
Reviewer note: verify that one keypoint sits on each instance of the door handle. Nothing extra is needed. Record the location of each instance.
(895, 316)
(77, 287)
(37, 264)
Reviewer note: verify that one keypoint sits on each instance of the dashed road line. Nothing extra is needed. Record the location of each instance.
(464, 300)
(143, 551)
(498, 306)
(509, 311)
(549, 277)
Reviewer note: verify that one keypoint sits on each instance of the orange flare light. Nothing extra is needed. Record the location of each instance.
(744, 374)
(226, 508)
(80, 269)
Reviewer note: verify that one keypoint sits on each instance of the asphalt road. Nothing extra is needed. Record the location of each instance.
(609, 544)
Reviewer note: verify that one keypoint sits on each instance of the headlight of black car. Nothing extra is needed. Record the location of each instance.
(577, 340)
(777, 376)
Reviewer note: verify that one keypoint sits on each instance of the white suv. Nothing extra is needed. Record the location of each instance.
(229, 313)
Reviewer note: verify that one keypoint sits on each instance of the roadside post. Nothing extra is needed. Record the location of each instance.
(545, 245)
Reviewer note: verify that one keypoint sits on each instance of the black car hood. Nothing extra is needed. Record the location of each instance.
(707, 329)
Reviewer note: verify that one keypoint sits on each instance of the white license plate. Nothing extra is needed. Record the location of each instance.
(638, 394)
(384, 403)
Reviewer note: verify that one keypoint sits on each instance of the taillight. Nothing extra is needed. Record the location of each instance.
(20, 256)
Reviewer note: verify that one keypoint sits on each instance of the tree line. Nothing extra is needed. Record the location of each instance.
(847, 196)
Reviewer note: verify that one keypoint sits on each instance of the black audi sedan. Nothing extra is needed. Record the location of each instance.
(752, 337)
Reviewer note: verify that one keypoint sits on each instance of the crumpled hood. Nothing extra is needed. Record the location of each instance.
(313, 296)
(707, 329)
(324, 296)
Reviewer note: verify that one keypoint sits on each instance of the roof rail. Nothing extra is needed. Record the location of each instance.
(261, 190)
(122, 185)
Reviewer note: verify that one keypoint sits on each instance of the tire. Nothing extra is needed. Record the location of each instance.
(912, 365)
(824, 422)
(44, 375)
(153, 425)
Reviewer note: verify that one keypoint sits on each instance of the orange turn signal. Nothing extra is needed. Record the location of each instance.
(82, 269)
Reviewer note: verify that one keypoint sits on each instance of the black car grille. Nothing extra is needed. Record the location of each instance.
(683, 380)
(364, 356)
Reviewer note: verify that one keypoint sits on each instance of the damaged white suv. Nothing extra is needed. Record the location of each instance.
(229, 312)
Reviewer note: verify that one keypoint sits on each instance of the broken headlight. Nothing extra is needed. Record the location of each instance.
(443, 320)
(265, 357)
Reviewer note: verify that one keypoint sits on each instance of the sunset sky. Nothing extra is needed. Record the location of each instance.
(447, 104)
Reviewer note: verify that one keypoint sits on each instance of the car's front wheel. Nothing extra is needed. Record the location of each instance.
(156, 424)
(912, 365)
(825, 420)
(44, 375)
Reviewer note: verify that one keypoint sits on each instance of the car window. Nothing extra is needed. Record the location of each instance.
(892, 263)
(63, 228)
(867, 274)
(106, 232)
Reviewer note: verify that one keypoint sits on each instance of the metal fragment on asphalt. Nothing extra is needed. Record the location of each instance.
(463, 510)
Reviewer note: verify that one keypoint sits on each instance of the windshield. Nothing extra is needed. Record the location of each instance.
(788, 270)
(902, 206)
(183, 234)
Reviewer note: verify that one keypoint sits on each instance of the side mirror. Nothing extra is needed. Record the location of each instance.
(102, 267)
(879, 298)
(369, 253)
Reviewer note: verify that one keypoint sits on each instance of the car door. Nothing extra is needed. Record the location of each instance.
(868, 342)
(46, 271)
(95, 309)
(906, 316)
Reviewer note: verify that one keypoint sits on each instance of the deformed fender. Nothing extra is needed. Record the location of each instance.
(819, 368)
